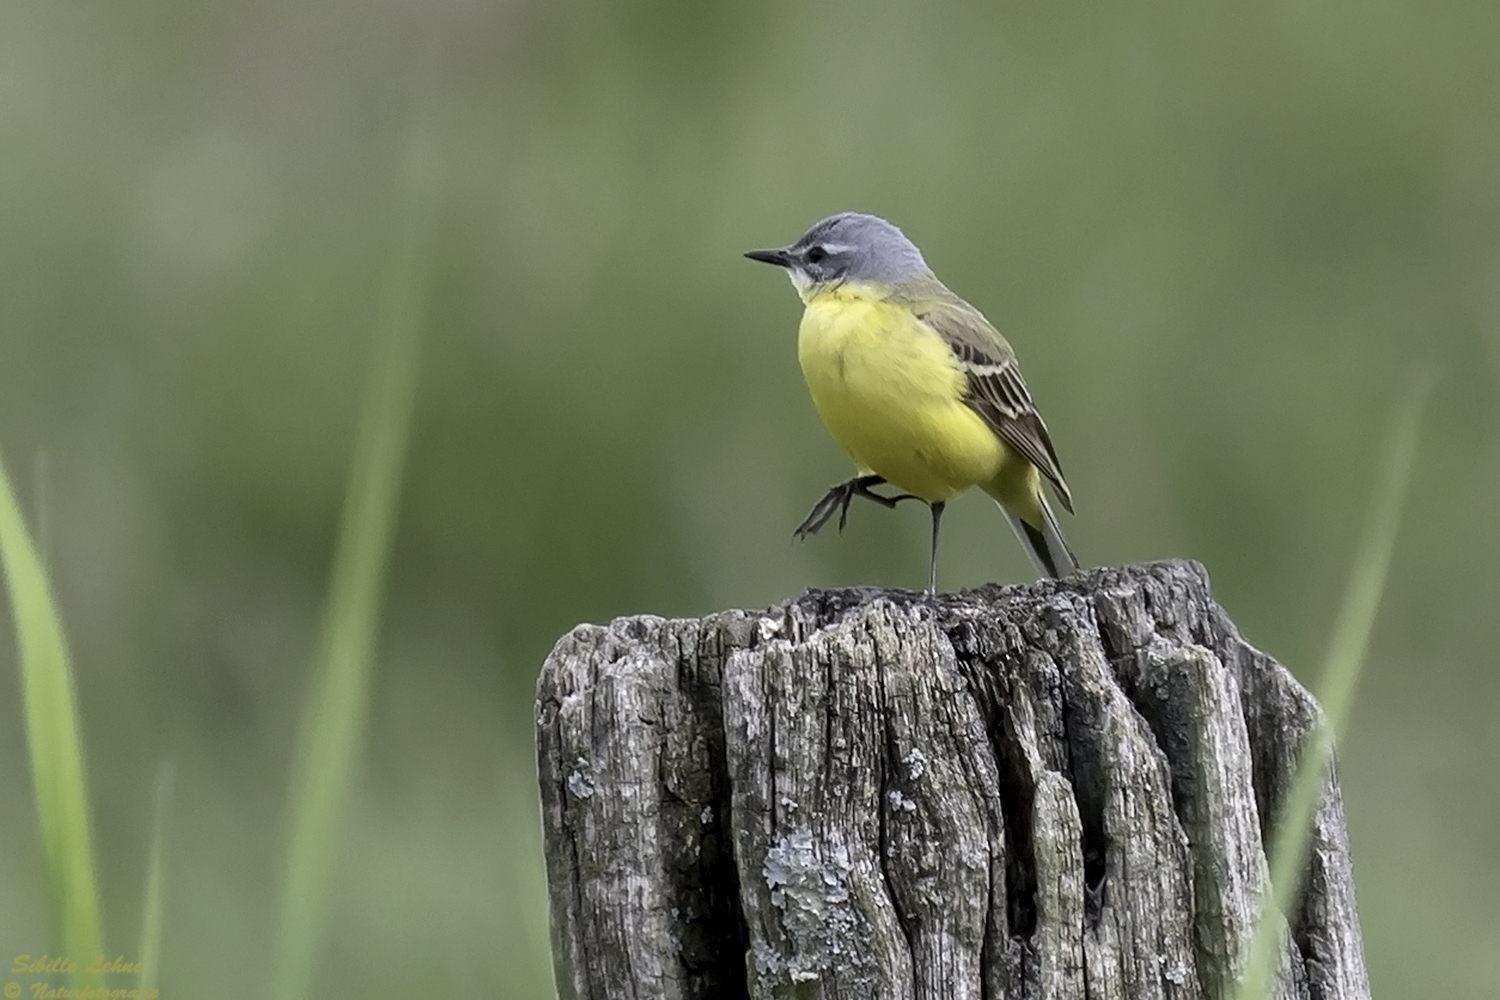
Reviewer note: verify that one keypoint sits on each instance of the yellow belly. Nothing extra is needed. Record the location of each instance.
(889, 393)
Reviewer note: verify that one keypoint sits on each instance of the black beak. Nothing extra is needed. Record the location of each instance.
(781, 258)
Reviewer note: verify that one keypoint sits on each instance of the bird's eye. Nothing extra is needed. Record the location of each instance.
(816, 255)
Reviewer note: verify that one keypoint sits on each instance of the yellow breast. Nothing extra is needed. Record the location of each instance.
(889, 392)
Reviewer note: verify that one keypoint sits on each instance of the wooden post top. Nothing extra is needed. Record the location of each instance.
(1056, 790)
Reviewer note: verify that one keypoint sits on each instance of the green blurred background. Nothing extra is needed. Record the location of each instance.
(1221, 239)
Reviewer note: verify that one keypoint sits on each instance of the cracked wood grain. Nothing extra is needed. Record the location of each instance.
(1058, 790)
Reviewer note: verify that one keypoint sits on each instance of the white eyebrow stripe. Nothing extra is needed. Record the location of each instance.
(837, 247)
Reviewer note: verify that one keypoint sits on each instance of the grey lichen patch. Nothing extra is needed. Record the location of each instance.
(916, 763)
(581, 779)
(1174, 970)
(809, 885)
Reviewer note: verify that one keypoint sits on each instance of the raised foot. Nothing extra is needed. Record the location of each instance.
(837, 500)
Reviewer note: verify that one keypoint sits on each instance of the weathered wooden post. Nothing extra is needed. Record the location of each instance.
(1060, 790)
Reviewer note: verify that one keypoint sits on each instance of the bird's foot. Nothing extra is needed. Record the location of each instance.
(837, 500)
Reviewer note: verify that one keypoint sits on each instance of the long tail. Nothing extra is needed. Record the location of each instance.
(1047, 548)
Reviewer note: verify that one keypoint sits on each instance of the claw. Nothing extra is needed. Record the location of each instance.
(837, 500)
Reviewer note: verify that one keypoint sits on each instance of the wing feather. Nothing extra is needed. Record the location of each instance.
(996, 390)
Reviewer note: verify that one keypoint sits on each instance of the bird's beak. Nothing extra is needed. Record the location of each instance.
(781, 258)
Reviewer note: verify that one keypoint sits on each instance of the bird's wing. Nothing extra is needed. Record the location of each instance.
(996, 390)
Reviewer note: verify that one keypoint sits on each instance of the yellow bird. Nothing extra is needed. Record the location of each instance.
(917, 386)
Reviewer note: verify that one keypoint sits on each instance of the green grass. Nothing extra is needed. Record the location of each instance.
(334, 713)
(53, 739)
(152, 907)
(1341, 670)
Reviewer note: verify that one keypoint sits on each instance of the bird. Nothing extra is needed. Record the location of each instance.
(917, 387)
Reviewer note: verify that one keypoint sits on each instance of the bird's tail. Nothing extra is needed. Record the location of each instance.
(1046, 547)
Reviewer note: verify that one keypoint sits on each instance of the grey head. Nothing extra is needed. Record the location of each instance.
(849, 246)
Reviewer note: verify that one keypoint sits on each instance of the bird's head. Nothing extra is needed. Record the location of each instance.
(849, 246)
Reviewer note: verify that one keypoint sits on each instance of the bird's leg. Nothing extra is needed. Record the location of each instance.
(861, 487)
(837, 500)
(937, 517)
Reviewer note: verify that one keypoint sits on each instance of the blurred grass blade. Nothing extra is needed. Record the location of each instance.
(333, 715)
(1341, 669)
(52, 735)
(41, 514)
(153, 906)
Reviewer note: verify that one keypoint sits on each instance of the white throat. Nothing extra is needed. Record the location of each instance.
(800, 281)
